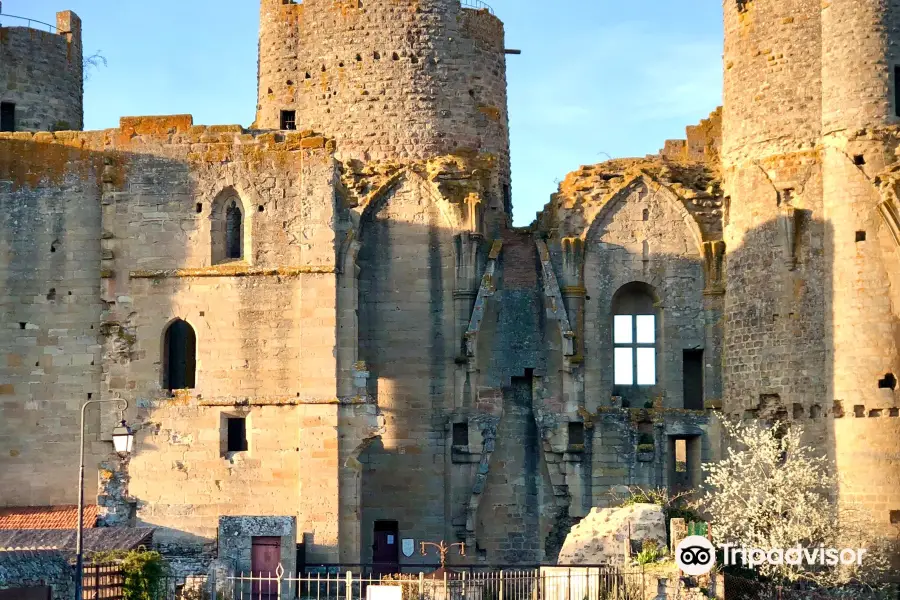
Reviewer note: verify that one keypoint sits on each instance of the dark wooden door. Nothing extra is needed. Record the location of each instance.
(386, 549)
(264, 561)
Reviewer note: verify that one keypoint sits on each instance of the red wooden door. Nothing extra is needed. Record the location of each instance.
(264, 562)
(386, 549)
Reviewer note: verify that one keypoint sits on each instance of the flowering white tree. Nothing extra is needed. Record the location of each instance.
(771, 491)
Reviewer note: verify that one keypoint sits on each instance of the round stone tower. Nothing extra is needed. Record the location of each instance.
(388, 79)
(774, 351)
(860, 50)
(813, 268)
(41, 74)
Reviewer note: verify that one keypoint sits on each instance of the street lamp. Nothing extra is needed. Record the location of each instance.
(123, 441)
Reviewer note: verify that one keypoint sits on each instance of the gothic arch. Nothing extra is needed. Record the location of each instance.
(408, 176)
(595, 231)
(178, 356)
(230, 228)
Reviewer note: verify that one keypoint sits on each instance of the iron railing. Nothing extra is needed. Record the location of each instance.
(547, 583)
(477, 5)
(50, 28)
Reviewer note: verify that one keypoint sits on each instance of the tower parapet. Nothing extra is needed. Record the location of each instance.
(388, 79)
(41, 74)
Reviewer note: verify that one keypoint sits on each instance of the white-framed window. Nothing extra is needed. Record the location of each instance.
(634, 336)
(635, 349)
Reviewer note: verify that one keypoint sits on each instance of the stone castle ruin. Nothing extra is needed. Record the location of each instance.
(329, 333)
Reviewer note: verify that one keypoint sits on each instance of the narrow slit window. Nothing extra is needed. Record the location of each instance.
(233, 231)
(289, 119)
(7, 116)
(897, 90)
(237, 434)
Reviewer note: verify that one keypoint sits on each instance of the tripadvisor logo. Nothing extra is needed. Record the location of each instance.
(696, 555)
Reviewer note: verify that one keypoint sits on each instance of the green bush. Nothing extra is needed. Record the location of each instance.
(649, 554)
(145, 572)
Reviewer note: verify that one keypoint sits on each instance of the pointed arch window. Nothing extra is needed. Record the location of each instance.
(234, 221)
(634, 336)
(179, 356)
(229, 229)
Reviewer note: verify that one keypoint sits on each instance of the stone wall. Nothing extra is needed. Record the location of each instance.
(142, 196)
(41, 72)
(37, 568)
(703, 142)
(406, 281)
(52, 357)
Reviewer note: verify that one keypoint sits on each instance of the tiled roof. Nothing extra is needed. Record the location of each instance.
(100, 539)
(46, 517)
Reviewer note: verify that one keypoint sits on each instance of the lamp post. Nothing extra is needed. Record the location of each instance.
(123, 440)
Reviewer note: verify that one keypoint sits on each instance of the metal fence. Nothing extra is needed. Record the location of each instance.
(477, 5)
(548, 583)
(28, 22)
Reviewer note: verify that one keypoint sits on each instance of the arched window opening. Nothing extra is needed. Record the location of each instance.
(179, 356)
(634, 336)
(233, 231)
(229, 229)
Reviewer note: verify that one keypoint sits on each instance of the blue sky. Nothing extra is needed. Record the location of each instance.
(596, 77)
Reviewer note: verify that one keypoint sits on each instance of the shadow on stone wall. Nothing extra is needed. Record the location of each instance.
(780, 354)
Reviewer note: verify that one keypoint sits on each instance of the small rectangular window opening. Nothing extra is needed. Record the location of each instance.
(460, 434)
(576, 433)
(895, 517)
(692, 369)
(289, 120)
(860, 236)
(897, 90)
(7, 116)
(237, 434)
(681, 456)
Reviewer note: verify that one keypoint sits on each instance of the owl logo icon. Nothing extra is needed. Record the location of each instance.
(695, 555)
